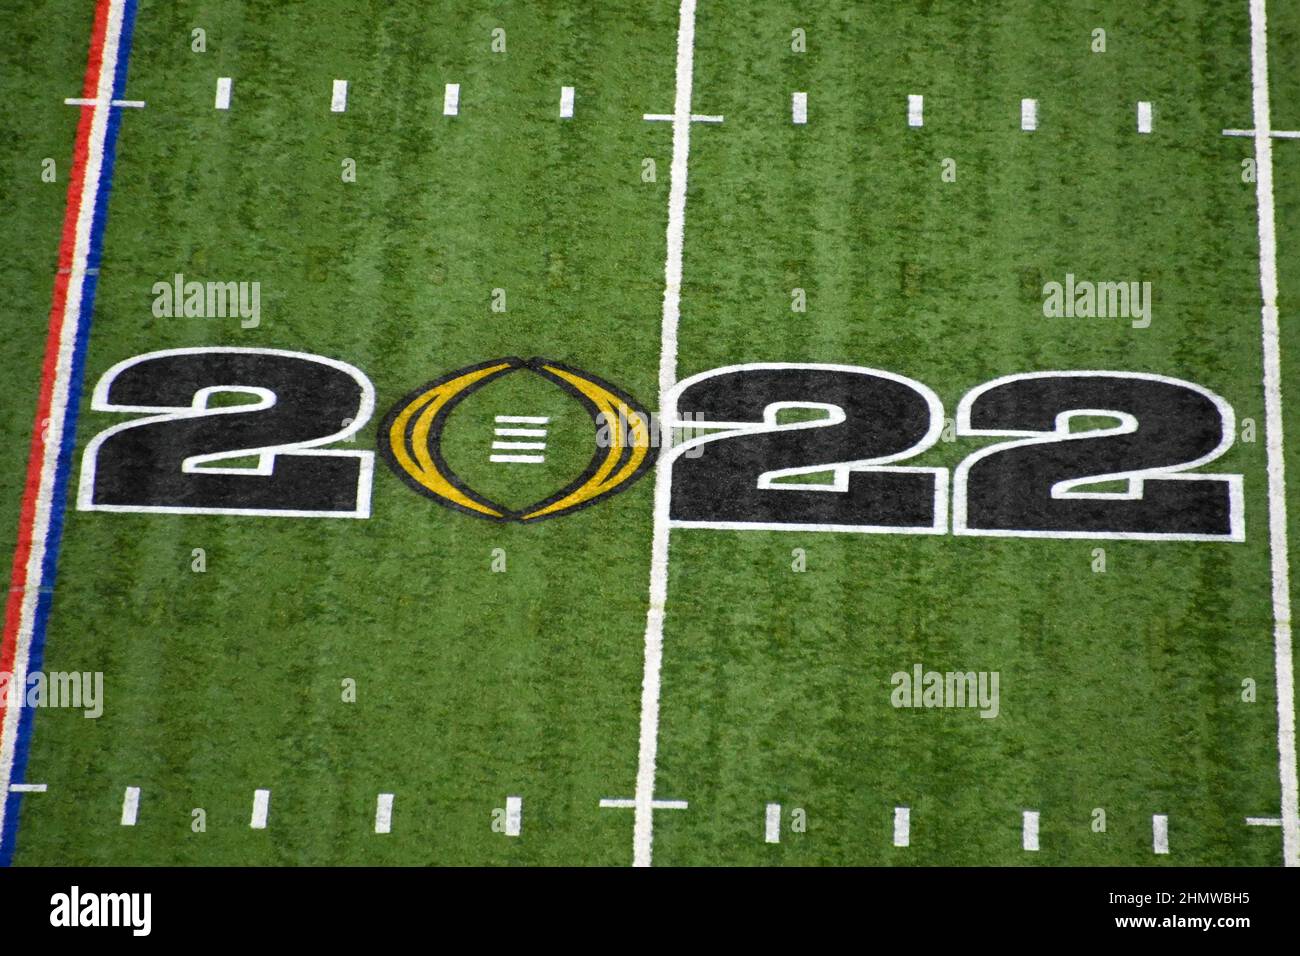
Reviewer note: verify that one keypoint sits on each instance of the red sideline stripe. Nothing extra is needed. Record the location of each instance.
(36, 456)
(90, 85)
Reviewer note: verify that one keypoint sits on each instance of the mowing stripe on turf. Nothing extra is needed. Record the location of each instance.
(40, 522)
(1277, 533)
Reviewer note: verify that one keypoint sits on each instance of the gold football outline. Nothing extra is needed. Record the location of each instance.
(410, 440)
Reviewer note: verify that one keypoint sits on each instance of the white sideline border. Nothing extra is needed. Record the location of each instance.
(1277, 514)
(84, 215)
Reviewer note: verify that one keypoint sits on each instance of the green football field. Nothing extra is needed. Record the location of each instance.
(455, 662)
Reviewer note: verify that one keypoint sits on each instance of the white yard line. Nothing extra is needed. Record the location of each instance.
(83, 101)
(1277, 530)
(523, 419)
(915, 109)
(1144, 117)
(514, 816)
(339, 96)
(695, 117)
(799, 108)
(1160, 834)
(130, 806)
(27, 788)
(772, 824)
(517, 459)
(1029, 115)
(1276, 133)
(261, 807)
(643, 825)
(451, 100)
(223, 93)
(1029, 831)
(566, 102)
(902, 826)
(384, 813)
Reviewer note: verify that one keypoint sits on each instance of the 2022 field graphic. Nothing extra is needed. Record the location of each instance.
(1040, 483)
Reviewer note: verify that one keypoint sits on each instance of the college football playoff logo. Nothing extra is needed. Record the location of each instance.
(410, 440)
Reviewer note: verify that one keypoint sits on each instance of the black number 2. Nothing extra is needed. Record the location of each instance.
(868, 419)
(171, 461)
(1158, 429)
